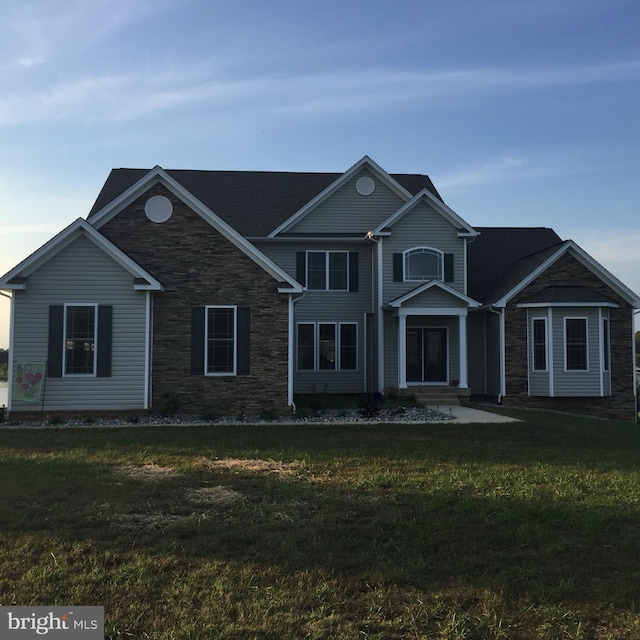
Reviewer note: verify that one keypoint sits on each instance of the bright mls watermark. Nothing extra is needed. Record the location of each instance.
(53, 623)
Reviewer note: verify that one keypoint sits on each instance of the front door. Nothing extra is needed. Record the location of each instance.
(426, 355)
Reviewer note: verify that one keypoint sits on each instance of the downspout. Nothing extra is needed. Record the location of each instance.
(292, 301)
(378, 310)
(500, 314)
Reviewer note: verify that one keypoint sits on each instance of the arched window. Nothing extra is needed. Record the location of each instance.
(423, 263)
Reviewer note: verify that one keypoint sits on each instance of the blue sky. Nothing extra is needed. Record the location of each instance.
(524, 113)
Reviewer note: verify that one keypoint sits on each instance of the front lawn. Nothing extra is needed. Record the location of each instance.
(511, 531)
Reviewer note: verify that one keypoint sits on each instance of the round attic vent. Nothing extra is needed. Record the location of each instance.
(365, 185)
(158, 209)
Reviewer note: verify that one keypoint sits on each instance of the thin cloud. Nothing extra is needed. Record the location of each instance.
(99, 99)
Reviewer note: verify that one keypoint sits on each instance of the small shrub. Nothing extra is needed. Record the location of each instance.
(369, 405)
(209, 415)
(169, 403)
(3, 413)
(56, 420)
(132, 419)
(267, 414)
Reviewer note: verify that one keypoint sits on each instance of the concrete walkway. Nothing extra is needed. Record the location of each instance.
(468, 415)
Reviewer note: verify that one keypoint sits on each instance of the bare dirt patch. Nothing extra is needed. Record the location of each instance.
(148, 472)
(252, 465)
(214, 496)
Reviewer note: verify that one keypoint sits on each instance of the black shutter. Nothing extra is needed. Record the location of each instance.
(301, 267)
(56, 329)
(105, 333)
(398, 270)
(448, 267)
(197, 341)
(353, 271)
(244, 340)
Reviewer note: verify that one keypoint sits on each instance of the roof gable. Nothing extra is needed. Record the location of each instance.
(454, 294)
(464, 229)
(551, 256)
(17, 278)
(158, 175)
(365, 163)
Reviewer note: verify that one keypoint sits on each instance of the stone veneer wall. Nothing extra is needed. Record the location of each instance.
(621, 404)
(198, 266)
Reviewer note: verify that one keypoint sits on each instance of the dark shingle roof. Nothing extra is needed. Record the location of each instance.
(500, 257)
(254, 203)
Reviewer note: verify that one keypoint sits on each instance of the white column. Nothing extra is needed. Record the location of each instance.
(402, 351)
(462, 324)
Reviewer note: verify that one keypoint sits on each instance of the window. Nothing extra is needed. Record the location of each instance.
(348, 346)
(539, 344)
(575, 337)
(327, 346)
(328, 270)
(423, 263)
(306, 346)
(221, 340)
(80, 339)
(605, 344)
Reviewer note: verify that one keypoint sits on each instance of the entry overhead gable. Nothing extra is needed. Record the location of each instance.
(366, 176)
(463, 228)
(158, 176)
(421, 295)
(18, 277)
(570, 247)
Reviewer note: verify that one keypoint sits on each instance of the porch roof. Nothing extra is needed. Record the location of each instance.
(457, 298)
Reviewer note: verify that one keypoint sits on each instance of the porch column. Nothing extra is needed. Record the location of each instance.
(462, 325)
(402, 351)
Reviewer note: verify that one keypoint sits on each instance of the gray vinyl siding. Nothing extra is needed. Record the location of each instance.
(477, 353)
(346, 211)
(576, 383)
(423, 226)
(434, 298)
(539, 381)
(82, 273)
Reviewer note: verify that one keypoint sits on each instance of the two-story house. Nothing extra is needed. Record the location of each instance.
(236, 290)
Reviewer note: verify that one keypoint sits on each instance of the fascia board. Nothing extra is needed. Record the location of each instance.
(376, 169)
(448, 213)
(63, 239)
(158, 174)
(583, 257)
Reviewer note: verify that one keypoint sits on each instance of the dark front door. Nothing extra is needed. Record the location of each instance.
(426, 355)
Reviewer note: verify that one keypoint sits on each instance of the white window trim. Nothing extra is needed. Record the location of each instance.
(316, 347)
(94, 373)
(206, 341)
(437, 252)
(564, 323)
(326, 270)
(546, 346)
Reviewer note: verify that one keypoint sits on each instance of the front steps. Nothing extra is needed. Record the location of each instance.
(434, 396)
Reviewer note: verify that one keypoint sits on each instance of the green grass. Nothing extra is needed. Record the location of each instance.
(514, 531)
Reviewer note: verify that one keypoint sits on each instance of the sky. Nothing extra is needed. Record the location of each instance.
(523, 112)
